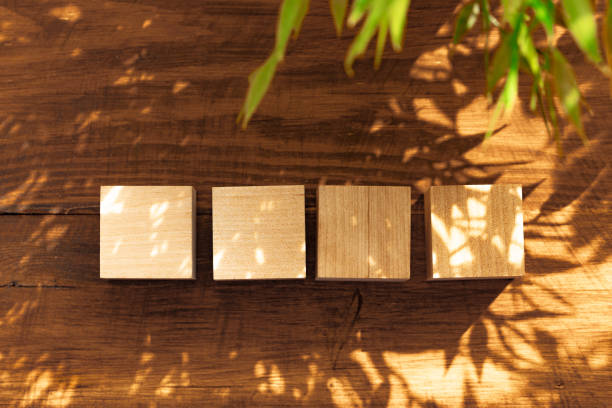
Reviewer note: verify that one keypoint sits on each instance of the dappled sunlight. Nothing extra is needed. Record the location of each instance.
(342, 393)
(24, 195)
(69, 13)
(138, 92)
(39, 382)
(168, 244)
(432, 65)
(17, 312)
(476, 231)
(274, 381)
(256, 240)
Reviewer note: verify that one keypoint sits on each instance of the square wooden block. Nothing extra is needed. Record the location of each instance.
(474, 231)
(363, 233)
(147, 232)
(259, 232)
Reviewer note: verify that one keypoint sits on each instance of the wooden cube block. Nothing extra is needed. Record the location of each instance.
(474, 231)
(363, 233)
(259, 232)
(147, 232)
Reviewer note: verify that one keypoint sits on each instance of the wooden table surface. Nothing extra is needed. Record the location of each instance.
(147, 92)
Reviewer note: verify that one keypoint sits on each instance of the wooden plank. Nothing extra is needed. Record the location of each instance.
(474, 231)
(342, 238)
(119, 104)
(149, 337)
(389, 233)
(147, 232)
(259, 233)
(144, 93)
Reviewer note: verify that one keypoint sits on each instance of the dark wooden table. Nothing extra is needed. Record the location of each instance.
(147, 92)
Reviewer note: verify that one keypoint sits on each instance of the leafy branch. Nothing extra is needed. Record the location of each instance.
(552, 76)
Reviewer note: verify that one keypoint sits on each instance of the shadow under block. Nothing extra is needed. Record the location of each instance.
(259, 232)
(147, 232)
(474, 232)
(363, 232)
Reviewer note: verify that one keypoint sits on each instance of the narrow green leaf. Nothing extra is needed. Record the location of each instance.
(290, 18)
(607, 38)
(511, 10)
(496, 113)
(509, 94)
(486, 15)
(567, 90)
(580, 20)
(380, 43)
(544, 11)
(499, 65)
(357, 11)
(299, 18)
(552, 112)
(259, 81)
(398, 14)
(361, 41)
(486, 28)
(290, 10)
(338, 10)
(528, 50)
(466, 18)
(533, 97)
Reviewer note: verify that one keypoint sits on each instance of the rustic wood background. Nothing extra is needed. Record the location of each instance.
(147, 92)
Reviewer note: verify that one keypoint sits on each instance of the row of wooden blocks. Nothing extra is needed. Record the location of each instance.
(472, 231)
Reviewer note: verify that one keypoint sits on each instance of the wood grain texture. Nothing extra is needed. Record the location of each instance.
(474, 231)
(389, 232)
(147, 232)
(259, 233)
(147, 93)
(342, 236)
(363, 232)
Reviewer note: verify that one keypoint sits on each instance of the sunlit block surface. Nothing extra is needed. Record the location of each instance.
(474, 231)
(363, 232)
(147, 232)
(259, 232)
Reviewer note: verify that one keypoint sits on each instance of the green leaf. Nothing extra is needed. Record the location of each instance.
(486, 28)
(338, 10)
(259, 81)
(544, 11)
(580, 20)
(607, 38)
(380, 43)
(486, 14)
(288, 21)
(361, 41)
(567, 90)
(528, 50)
(357, 11)
(551, 110)
(533, 97)
(511, 10)
(466, 18)
(507, 99)
(290, 18)
(398, 14)
(302, 10)
(499, 65)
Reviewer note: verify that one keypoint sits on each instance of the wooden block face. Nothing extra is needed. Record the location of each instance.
(363, 233)
(342, 239)
(259, 232)
(147, 232)
(474, 232)
(389, 233)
